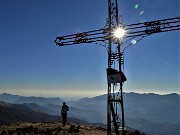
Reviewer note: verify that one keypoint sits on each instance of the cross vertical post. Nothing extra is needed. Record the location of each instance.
(114, 100)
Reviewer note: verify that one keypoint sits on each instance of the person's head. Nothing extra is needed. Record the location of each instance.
(64, 103)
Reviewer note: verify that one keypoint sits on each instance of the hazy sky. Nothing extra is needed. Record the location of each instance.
(31, 64)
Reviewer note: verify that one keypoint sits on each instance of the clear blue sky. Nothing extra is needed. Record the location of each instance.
(31, 64)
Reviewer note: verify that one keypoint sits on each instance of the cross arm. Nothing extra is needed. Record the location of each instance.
(83, 37)
(157, 26)
(132, 30)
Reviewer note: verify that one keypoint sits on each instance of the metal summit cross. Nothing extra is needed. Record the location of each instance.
(115, 34)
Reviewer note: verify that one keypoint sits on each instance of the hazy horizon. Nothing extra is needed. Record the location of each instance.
(74, 96)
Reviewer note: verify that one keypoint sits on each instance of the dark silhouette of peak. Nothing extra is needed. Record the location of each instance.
(12, 113)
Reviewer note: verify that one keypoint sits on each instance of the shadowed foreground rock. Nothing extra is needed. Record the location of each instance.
(53, 129)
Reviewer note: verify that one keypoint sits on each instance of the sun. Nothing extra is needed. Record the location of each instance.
(119, 33)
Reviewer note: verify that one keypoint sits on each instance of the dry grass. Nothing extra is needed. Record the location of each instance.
(51, 129)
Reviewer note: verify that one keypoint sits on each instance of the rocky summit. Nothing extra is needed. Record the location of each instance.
(54, 128)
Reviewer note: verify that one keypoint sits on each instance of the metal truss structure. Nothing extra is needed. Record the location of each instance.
(115, 118)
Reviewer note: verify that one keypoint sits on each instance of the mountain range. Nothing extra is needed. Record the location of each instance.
(13, 113)
(151, 113)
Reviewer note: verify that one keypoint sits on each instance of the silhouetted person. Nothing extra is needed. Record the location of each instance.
(64, 111)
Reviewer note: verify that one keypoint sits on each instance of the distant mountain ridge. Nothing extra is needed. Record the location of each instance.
(39, 100)
(9, 98)
(22, 99)
(151, 113)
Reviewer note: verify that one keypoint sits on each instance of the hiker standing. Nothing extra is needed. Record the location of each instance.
(64, 110)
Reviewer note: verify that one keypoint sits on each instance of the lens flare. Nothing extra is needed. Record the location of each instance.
(141, 12)
(136, 6)
(134, 41)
